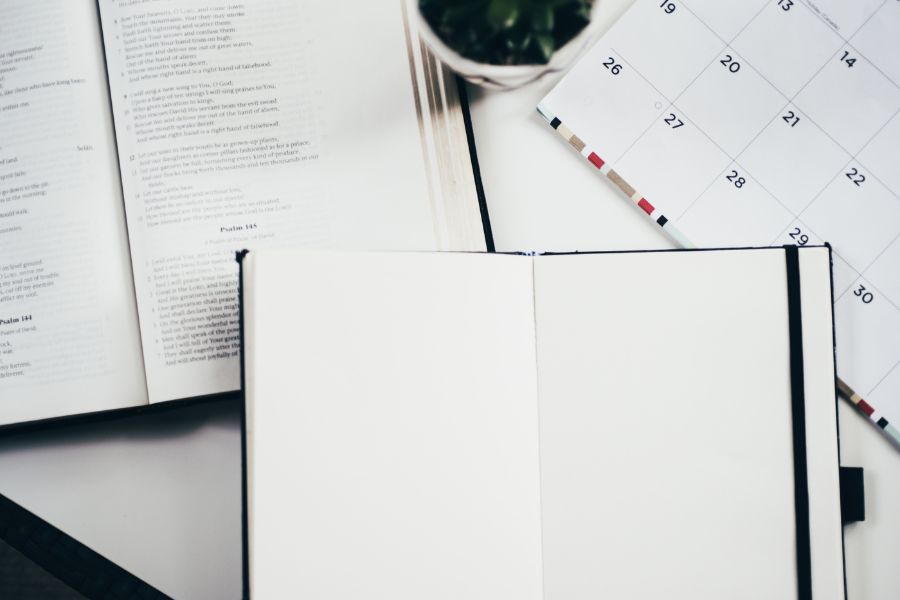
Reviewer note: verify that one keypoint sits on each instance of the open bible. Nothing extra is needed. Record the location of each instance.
(142, 143)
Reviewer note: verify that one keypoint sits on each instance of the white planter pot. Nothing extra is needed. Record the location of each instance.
(506, 76)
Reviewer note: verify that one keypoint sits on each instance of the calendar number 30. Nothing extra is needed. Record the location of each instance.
(785, 4)
(863, 295)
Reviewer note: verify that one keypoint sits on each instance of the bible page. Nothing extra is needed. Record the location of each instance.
(69, 340)
(247, 125)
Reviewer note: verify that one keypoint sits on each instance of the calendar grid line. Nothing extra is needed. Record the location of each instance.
(880, 381)
(748, 63)
(880, 129)
(721, 39)
(792, 99)
(873, 65)
(847, 41)
(732, 159)
(790, 102)
(871, 287)
(653, 120)
(875, 260)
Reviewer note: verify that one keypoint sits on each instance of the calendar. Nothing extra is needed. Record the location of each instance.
(762, 122)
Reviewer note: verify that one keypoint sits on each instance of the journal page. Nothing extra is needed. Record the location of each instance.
(392, 433)
(69, 339)
(666, 426)
(246, 125)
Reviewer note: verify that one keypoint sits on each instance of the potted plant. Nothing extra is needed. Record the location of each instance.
(505, 43)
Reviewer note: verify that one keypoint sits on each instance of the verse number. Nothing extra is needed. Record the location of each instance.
(847, 59)
(613, 66)
(785, 4)
(731, 64)
(790, 118)
(735, 178)
(855, 176)
(667, 6)
(863, 295)
(798, 236)
(673, 121)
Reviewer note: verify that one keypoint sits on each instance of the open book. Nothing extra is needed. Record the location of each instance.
(618, 425)
(143, 145)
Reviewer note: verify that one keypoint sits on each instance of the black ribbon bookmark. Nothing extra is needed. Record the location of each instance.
(798, 419)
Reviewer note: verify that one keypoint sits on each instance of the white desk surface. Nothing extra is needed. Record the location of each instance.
(161, 495)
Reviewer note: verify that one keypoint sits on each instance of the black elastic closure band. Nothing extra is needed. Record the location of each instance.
(798, 420)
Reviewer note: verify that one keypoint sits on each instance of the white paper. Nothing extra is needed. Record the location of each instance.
(392, 426)
(69, 339)
(247, 125)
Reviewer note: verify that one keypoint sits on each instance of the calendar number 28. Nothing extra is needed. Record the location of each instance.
(735, 178)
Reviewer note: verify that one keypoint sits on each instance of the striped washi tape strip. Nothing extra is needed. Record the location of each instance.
(679, 238)
(607, 170)
(864, 407)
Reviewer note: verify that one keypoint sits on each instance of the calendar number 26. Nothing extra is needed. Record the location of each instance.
(611, 64)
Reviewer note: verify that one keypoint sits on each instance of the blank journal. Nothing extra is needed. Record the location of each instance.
(613, 425)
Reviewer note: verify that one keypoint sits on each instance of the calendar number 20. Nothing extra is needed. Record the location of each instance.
(731, 64)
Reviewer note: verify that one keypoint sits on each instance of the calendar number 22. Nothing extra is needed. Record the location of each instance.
(855, 176)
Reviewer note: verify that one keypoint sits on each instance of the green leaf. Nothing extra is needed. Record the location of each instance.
(542, 17)
(503, 14)
(546, 44)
